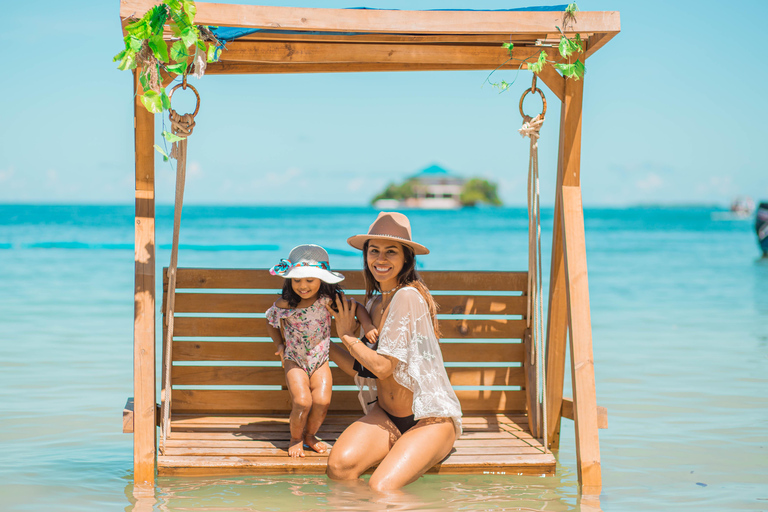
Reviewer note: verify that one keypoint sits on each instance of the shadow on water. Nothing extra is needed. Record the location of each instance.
(315, 493)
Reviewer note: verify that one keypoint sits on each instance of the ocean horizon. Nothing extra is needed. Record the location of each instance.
(679, 305)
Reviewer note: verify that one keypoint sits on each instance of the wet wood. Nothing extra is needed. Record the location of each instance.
(144, 294)
(257, 444)
(580, 328)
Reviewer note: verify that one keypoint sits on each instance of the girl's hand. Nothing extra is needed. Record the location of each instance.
(345, 316)
(372, 335)
(281, 352)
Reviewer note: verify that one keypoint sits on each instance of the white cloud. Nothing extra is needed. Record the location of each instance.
(194, 170)
(650, 182)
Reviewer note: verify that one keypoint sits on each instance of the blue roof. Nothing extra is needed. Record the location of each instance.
(434, 171)
(227, 34)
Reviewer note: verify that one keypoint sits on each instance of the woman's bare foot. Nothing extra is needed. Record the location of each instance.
(316, 444)
(295, 448)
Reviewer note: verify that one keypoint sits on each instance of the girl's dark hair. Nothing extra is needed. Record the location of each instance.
(293, 299)
(408, 276)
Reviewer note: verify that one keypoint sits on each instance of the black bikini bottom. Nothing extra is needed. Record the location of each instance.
(403, 424)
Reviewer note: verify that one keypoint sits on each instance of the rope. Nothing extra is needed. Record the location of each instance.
(182, 126)
(531, 127)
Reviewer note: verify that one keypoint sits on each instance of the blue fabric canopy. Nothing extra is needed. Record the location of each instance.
(227, 34)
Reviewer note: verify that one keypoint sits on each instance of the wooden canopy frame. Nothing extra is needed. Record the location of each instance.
(312, 40)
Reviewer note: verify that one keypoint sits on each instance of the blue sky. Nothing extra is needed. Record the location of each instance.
(672, 114)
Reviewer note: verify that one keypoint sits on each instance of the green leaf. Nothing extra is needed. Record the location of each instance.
(157, 19)
(120, 55)
(537, 66)
(152, 102)
(564, 47)
(171, 137)
(189, 36)
(179, 51)
(175, 30)
(162, 152)
(178, 69)
(133, 42)
(509, 47)
(128, 61)
(144, 81)
(158, 47)
(575, 70)
(165, 101)
(212, 53)
(191, 9)
(140, 29)
(572, 8)
(200, 45)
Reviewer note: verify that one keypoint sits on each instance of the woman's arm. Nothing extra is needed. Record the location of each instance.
(382, 366)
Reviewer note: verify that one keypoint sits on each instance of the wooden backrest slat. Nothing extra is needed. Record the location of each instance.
(482, 321)
(259, 279)
(260, 302)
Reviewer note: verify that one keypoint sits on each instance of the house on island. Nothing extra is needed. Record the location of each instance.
(433, 188)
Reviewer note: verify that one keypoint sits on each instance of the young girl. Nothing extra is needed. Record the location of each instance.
(300, 326)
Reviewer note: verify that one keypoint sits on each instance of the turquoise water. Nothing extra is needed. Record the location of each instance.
(680, 327)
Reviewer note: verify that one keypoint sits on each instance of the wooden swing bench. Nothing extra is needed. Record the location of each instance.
(229, 406)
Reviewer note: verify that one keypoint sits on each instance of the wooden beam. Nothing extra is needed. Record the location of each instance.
(391, 21)
(264, 52)
(602, 413)
(571, 132)
(245, 68)
(596, 42)
(553, 80)
(580, 327)
(144, 295)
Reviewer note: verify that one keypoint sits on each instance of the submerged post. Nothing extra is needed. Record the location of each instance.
(144, 431)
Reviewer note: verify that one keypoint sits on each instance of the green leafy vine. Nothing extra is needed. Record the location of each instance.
(568, 48)
(192, 48)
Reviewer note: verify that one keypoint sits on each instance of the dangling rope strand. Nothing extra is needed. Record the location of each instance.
(182, 126)
(531, 128)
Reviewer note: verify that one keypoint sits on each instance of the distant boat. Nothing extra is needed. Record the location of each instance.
(742, 208)
(761, 227)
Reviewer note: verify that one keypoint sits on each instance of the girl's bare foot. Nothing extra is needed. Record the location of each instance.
(295, 448)
(316, 444)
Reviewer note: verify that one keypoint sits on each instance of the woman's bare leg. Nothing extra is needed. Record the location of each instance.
(320, 383)
(301, 403)
(423, 446)
(361, 445)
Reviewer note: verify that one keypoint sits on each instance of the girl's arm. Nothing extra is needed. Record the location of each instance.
(276, 334)
(370, 330)
(342, 359)
(382, 366)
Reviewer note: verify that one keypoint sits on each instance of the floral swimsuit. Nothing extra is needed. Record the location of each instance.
(307, 333)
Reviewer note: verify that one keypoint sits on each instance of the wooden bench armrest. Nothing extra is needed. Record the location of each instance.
(602, 413)
(128, 416)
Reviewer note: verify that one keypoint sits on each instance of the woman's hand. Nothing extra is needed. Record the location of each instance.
(345, 316)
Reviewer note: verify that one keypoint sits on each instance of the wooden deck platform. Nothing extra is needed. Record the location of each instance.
(207, 444)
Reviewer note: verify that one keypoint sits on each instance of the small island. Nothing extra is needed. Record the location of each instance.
(435, 188)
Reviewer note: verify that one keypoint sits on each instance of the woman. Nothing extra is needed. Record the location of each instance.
(416, 417)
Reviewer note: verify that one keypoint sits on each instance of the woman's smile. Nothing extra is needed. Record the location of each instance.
(385, 261)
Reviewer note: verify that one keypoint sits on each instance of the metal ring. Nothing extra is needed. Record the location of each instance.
(197, 96)
(543, 101)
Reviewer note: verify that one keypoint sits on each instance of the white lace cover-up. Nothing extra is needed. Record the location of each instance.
(408, 335)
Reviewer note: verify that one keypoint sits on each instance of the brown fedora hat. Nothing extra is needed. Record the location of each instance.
(391, 226)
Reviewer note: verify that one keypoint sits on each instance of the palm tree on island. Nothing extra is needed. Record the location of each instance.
(436, 188)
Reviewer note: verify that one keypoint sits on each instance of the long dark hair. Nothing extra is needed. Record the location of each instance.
(326, 290)
(408, 276)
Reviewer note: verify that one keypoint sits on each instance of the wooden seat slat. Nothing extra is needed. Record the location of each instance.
(260, 279)
(257, 328)
(259, 303)
(274, 401)
(502, 352)
(271, 376)
(199, 451)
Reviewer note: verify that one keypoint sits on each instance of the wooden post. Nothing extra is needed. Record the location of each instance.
(580, 326)
(144, 431)
(557, 319)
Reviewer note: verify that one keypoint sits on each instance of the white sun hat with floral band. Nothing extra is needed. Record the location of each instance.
(391, 226)
(307, 261)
